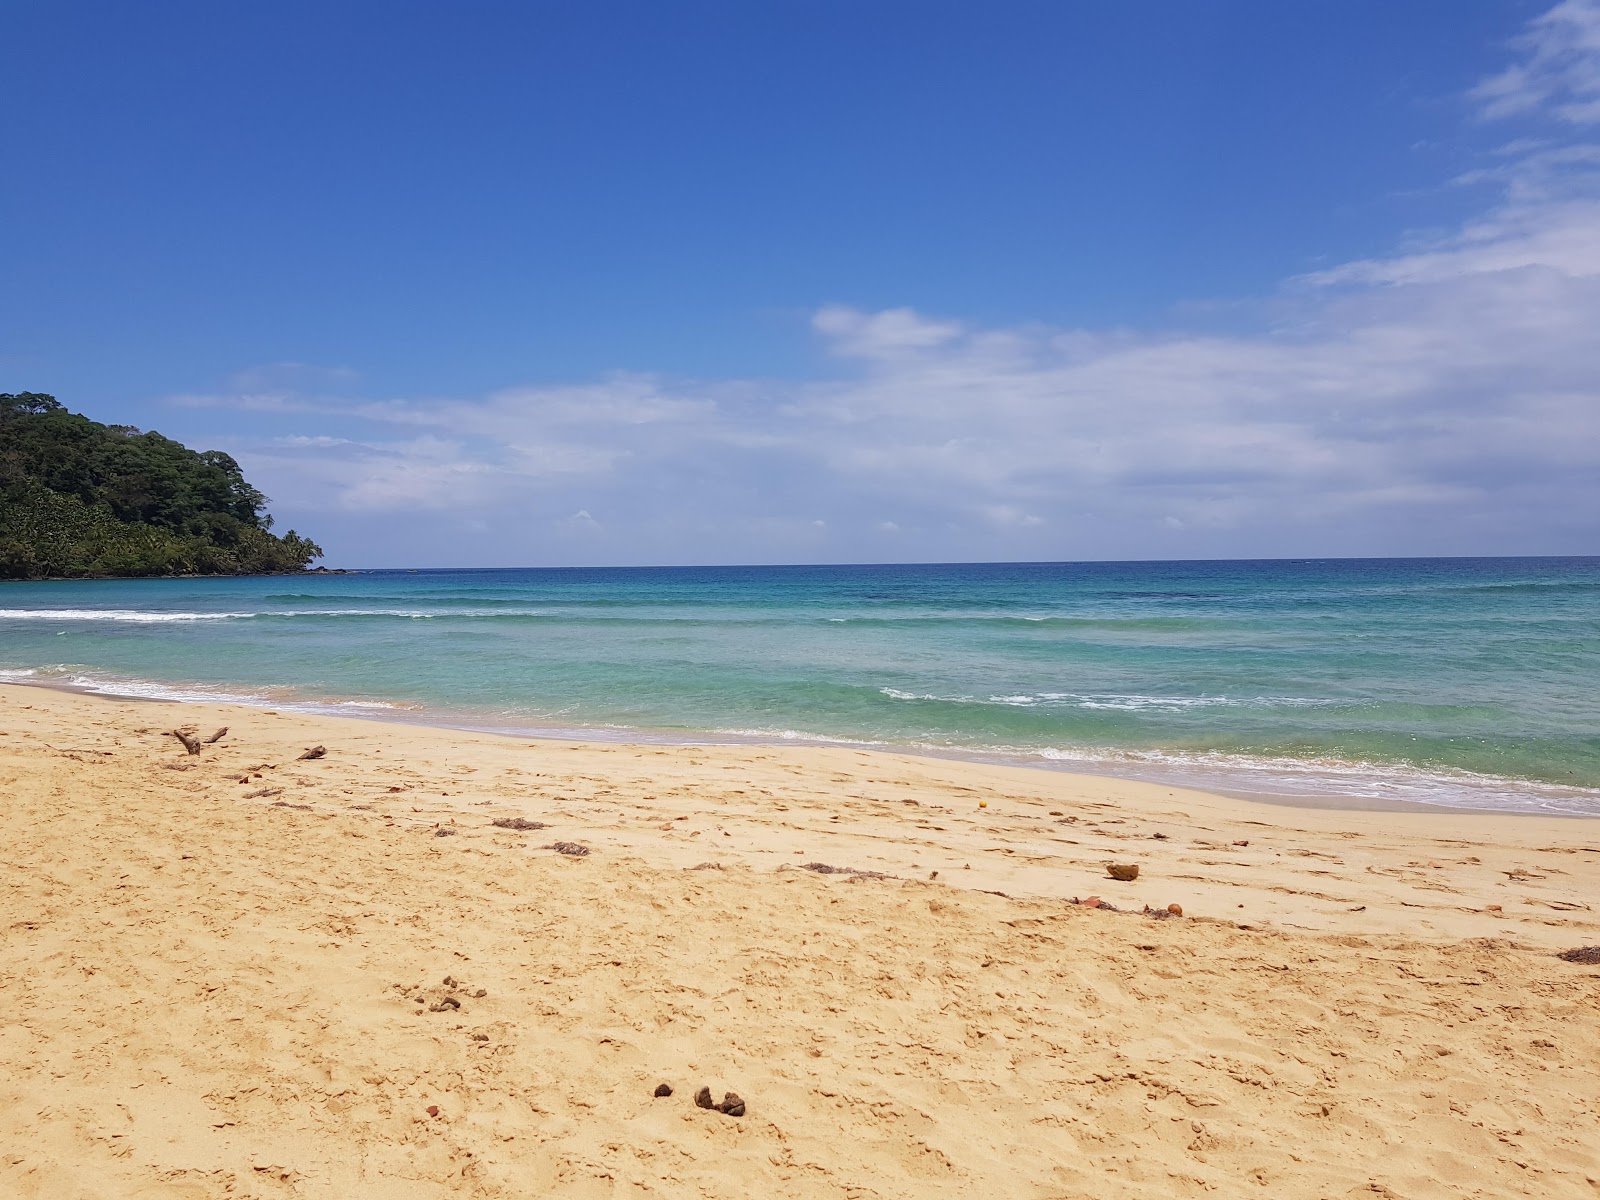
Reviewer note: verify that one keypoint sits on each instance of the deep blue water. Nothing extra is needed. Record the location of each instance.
(1463, 681)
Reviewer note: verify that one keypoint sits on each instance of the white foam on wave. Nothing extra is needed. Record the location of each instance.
(187, 693)
(1325, 776)
(1114, 702)
(138, 616)
(154, 617)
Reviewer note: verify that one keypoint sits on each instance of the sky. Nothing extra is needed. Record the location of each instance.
(507, 284)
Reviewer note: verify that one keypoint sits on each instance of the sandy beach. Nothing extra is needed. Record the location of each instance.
(243, 974)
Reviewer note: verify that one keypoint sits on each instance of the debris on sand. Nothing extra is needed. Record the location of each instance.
(445, 998)
(1582, 954)
(570, 849)
(665, 1089)
(731, 1104)
(314, 752)
(702, 1098)
(286, 804)
(443, 831)
(518, 823)
(1096, 902)
(263, 793)
(1123, 872)
(217, 736)
(822, 868)
(190, 742)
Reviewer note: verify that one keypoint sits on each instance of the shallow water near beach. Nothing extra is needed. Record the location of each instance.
(1467, 682)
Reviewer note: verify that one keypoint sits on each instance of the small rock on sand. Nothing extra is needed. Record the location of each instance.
(703, 1099)
(665, 1089)
(732, 1104)
(1124, 872)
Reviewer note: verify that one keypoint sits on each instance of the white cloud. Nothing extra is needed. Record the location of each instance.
(1558, 71)
(881, 335)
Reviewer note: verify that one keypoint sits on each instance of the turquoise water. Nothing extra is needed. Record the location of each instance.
(1454, 681)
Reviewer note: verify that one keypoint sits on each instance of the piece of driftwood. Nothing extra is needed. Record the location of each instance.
(190, 742)
(217, 736)
(314, 752)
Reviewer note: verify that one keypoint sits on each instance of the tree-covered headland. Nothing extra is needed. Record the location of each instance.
(79, 499)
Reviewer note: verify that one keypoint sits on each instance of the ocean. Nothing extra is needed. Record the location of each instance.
(1467, 682)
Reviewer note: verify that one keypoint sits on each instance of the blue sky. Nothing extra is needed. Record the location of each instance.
(503, 284)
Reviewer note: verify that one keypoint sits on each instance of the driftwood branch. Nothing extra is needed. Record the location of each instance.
(314, 752)
(218, 735)
(190, 742)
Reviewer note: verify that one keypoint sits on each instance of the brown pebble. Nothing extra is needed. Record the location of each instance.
(1124, 872)
(665, 1089)
(732, 1104)
(702, 1098)
(433, 1110)
(1175, 909)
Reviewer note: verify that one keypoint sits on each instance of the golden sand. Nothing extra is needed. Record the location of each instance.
(211, 969)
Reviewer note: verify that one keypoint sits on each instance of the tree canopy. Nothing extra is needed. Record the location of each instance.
(79, 499)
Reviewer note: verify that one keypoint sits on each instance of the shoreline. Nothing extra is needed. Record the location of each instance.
(1047, 844)
(433, 719)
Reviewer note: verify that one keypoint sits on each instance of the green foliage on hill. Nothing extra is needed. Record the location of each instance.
(80, 499)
